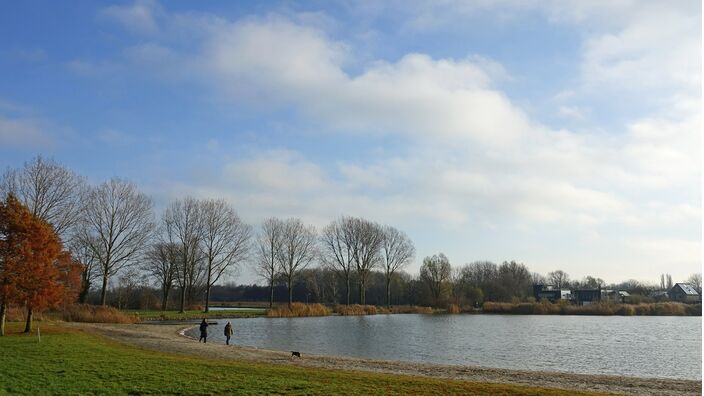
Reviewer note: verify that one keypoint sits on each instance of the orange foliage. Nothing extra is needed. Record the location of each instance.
(36, 272)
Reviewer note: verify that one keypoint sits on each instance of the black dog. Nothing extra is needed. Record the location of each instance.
(295, 353)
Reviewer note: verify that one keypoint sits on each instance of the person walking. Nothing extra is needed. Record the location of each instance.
(228, 333)
(203, 331)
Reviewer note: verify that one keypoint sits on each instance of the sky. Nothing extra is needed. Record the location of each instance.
(559, 134)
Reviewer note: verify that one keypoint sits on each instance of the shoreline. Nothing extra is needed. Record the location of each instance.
(171, 339)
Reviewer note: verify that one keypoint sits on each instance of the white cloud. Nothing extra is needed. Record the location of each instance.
(23, 132)
(472, 156)
(138, 18)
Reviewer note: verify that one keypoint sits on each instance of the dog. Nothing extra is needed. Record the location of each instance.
(295, 354)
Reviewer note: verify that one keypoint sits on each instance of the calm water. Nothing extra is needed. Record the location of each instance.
(633, 346)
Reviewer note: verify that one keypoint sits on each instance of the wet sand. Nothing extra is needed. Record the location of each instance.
(170, 338)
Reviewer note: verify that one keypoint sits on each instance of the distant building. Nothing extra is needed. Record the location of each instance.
(659, 295)
(546, 292)
(586, 296)
(616, 296)
(684, 292)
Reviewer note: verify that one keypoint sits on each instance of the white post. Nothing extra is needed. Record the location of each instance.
(39, 334)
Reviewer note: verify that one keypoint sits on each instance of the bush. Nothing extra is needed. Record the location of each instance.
(95, 314)
(355, 309)
(299, 310)
(411, 309)
(453, 309)
(603, 308)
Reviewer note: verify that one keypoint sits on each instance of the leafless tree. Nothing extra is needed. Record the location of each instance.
(696, 281)
(90, 271)
(336, 249)
(397, 252)
(183, 225)
(162, 263)
(435, 272)
(559, 279)
(538, 279)
(669, 282)
(225, 241)
(269, 242)
(296, 252)
(366, 238)
(117, 224)
(50, 191)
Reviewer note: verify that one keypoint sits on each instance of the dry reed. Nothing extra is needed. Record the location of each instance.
(95, 314)
(298, 310)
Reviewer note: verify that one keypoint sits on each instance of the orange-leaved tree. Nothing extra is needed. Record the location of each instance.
(35, 271)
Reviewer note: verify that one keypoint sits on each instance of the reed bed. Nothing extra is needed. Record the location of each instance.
(453, 309)
(299, 310)
(95, 314)
(547, 308)
(356, 309)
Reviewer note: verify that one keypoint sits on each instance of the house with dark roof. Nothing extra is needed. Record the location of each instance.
(586, 296)
(684, 292)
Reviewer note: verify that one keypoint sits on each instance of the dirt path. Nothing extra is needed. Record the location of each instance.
(170, 338)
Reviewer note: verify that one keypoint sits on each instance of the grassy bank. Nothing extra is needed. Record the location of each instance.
(546, 308)
(74, 362)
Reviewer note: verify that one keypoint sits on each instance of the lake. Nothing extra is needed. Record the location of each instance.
(642, 346)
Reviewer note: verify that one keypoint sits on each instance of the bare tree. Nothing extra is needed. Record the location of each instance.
(50, 191)
(435, 272)
(336, 249)
(225, 241)
(117, 224)
(559, 279)
(183, 226)
(696, 281)
(162, 263)
(397, 252)
(366, 238)
(296, 252)
(269, 242)
(669, 282)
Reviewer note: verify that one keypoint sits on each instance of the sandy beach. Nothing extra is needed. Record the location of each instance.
(170, 338)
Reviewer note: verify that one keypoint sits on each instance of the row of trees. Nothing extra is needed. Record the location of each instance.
(111, 228)
(112, 231)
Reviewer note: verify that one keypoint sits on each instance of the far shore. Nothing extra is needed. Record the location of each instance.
(171, 338)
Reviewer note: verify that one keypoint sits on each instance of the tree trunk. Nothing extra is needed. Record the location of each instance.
(362, 290)
(290, 291)
(28, 324)
(164, 298)
(207, 298)
(183, 300)
(271, 293)
(2, 319)
(347, 278)
(103, 292)
(388, 291)
(85, 287)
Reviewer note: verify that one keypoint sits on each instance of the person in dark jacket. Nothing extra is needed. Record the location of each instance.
(228, 333)
(203, 331)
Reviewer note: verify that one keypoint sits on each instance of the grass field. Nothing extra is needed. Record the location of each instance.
(68, 361)
(194, 314)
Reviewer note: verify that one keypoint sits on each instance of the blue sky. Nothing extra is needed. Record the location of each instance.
(564, 135)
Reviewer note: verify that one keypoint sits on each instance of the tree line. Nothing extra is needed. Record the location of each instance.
(120, 245)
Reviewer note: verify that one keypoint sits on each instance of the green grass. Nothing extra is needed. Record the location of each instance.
(75, 362)
(194, 314)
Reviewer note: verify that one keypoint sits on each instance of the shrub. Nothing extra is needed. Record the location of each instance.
(411, 309)
(453, 309)
(95, 314)
(355, 309)
(299, 310)
(694, 310)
